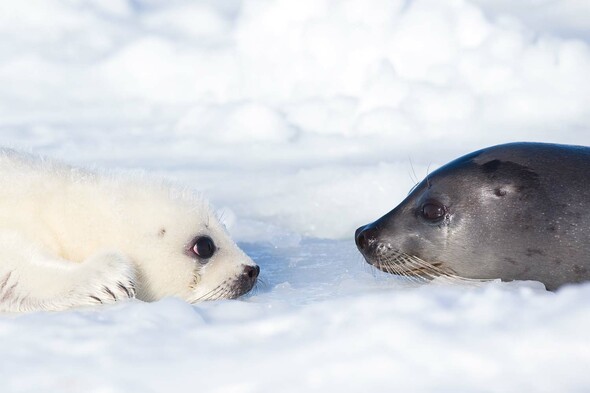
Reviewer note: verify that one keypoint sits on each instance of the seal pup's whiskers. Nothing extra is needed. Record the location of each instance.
(215, 293)
(226, 290)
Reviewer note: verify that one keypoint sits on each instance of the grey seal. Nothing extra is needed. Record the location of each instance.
(517, 211)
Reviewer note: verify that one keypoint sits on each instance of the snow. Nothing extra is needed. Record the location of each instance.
(300, 121)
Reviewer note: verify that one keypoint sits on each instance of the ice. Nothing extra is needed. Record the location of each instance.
(300, 121)
(320, 321)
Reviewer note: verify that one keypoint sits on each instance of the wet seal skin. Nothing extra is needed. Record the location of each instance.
(518, 211)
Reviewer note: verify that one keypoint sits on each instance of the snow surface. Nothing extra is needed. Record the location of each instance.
(300, 120)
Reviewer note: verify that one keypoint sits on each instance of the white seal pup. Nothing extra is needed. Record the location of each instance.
(71, 237)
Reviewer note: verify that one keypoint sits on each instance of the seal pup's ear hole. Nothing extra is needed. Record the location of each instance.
(162, 232)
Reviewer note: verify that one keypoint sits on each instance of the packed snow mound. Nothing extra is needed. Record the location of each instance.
(319, 325)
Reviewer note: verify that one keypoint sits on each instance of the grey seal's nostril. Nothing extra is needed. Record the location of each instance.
(365, 236)
(361, 241)
(360, 238)
(358, 230)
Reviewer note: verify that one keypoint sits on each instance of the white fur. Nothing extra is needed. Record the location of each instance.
(70, 238)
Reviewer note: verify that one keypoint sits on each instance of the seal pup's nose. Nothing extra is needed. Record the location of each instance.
(251, 272)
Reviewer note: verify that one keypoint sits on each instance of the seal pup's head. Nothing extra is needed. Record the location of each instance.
(175, 241)
(187, 252)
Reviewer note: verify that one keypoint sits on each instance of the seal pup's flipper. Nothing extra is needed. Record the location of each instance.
(32, 280)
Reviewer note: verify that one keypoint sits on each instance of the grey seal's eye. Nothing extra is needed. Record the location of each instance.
(204, 247)
(433, 211)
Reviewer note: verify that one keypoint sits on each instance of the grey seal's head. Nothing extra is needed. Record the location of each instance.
(518, 211)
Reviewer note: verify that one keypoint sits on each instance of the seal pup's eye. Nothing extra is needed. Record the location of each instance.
(204, 247)
(433, 211)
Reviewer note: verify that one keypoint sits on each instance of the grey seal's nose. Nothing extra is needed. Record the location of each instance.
(365, 236)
